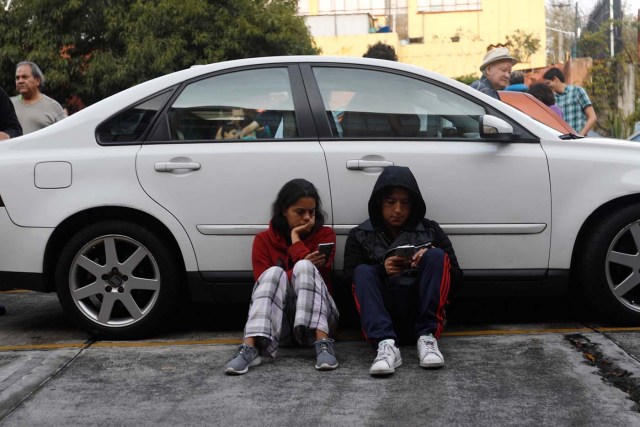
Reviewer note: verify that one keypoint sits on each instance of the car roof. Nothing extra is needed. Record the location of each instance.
(535, 108)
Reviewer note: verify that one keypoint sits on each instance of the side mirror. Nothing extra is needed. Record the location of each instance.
(492, 127)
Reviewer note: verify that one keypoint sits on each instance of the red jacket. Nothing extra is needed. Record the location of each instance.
(270, 248)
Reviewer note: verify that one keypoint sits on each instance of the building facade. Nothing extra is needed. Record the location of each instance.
(447, 36)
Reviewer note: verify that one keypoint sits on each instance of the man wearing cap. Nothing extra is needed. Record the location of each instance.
(496, 70)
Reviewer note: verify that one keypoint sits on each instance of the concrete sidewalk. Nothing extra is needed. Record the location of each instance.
(563, 373)
(488, 380)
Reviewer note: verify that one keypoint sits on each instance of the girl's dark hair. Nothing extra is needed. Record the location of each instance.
(229, 127)
(543, 93)
(289, 194)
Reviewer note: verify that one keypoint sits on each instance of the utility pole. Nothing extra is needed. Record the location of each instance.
(576, 23)
(611, 33)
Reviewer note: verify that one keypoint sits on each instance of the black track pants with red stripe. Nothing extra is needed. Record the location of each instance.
(403, 312)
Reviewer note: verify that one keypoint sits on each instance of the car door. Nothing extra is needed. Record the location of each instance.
(491, 197)
(221, 190)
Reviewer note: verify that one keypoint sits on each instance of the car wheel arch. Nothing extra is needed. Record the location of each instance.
(81, 219)
(589, 277)
(596, 216)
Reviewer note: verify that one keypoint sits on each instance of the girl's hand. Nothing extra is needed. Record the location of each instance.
(316, 259)
(396, 264)
(302, 230)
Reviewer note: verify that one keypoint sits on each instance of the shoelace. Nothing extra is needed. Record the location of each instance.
(429, 344)
(384, 351)
(242, 350)
(324, 346)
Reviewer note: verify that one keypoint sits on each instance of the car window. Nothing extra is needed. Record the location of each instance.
(130, 124)
(238, 106)
(374, 104)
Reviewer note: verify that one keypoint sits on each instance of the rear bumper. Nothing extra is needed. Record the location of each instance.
(21, 254)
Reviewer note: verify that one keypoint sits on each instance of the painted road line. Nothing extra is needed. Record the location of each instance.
(343, 338)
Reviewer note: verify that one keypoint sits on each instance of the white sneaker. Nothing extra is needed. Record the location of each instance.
(430, 356)
(388, 358)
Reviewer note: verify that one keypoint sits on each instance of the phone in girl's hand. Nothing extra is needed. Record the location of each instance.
(326, 248)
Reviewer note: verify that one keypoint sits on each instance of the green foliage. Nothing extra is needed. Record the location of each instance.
(607, 77)
(522, 45)
(467, 78)
(94, 48)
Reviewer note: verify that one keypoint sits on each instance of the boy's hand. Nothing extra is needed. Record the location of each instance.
(415, 260)
(396, 264)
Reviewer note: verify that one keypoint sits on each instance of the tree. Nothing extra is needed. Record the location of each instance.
(609, 74)
(94, 48)
(523, 45)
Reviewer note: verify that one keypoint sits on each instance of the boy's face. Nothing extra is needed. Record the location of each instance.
(396, 208)
(553, 84)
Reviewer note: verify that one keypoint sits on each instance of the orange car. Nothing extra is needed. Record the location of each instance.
(535, 108)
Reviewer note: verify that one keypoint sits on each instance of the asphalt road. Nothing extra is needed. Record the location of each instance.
(508, 362)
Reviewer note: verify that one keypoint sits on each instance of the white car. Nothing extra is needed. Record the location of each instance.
(137, 199)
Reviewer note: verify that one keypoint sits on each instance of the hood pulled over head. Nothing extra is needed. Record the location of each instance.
(396, 177)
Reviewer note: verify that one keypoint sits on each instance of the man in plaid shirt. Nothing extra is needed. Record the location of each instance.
(573, 101)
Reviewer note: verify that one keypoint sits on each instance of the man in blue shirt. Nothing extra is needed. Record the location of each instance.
(496, 71)
(573, 101)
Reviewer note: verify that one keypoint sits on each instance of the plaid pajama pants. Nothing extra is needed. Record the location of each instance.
(281, 308)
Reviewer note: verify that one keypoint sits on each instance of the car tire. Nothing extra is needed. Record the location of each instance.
(609, 267)
(117, 280)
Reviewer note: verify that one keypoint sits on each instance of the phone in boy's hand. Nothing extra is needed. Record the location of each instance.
(404, 251)
(326, 248)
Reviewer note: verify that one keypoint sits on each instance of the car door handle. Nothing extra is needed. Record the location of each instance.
(362, 164)
(171, 166)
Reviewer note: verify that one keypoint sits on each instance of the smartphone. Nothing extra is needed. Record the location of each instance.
(326, 248)
(404, 251)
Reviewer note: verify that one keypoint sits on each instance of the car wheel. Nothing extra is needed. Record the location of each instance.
(610, 266)
(117, 280)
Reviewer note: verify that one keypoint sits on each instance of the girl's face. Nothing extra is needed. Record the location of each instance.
(232, 134)
(301, 212)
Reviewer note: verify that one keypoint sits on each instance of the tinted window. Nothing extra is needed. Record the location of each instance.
(240, 106)
(130, 124)
(374, 104)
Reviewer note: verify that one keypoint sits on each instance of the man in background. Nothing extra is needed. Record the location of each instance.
(516, 82)
(573, 101)
(381, 51)
(35, 110)
(496, 71)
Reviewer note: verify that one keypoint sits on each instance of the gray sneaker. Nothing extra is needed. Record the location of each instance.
(244, 357)
(326, 358)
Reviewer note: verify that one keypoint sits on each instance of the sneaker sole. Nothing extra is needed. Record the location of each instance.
(431, 365)
(384, 372)
(254, 362)
(326, 367)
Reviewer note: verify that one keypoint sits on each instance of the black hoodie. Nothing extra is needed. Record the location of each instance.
(369, 242)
